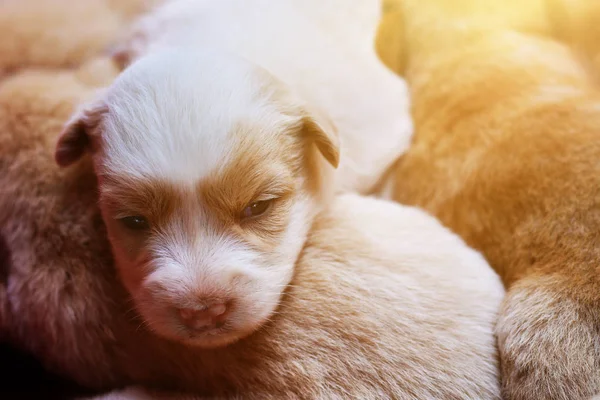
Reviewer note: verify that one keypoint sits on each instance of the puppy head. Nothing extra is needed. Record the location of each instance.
(210, 173)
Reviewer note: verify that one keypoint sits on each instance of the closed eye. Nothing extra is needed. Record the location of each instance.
(256, 208)
(135, 223)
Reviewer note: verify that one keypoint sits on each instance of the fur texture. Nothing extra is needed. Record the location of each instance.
(199, 269)
(56, 33)
(385, 303)
(323, 50)
(506, 153)
(363, 316)
(411, 335)
(208, 126)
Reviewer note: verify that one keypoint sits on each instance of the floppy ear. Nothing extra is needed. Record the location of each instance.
(316, 126)
(77, 135)
(323, 133)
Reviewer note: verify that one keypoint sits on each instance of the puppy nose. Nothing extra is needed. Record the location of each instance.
(203, 319)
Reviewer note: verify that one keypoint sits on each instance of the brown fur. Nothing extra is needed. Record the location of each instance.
(228, 192)
(363, 318)
(224, 196)
(576, 23)
(506, 153)
(347, 327)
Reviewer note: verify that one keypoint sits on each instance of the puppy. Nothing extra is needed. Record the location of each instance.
(211, 165)
(384, 302)
(323, 50)
(207, 198)
(506, 153)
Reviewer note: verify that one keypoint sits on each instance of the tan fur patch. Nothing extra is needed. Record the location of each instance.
(506, 154)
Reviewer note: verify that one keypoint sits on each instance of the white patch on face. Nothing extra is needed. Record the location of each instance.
(171, 114)
(187, 271)
(303, 212)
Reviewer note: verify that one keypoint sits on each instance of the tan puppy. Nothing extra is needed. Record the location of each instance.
(576, 23)
(56, 33)
(384, 302)
(506, 153)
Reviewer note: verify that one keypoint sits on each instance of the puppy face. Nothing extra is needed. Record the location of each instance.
(210, 174)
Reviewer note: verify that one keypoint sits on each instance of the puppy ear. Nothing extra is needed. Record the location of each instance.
(323, 133)
(77, 135)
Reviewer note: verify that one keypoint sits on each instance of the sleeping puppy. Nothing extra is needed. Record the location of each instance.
(384, 301)
(211, 167)
(207, 200)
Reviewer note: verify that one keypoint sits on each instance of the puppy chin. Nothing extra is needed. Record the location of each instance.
(208, 340)
(214, 341)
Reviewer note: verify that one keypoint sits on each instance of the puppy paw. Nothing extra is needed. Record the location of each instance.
(549, 340)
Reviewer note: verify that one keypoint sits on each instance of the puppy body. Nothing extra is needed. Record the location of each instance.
(506, 154)
(323, 50)
(371, 313)
(384, 303)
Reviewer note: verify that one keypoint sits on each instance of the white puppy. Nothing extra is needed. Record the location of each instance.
(207, 198)
(212, 158)
(322, 49)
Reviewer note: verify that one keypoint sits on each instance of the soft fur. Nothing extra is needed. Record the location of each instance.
(322, 50)
(385, 303)
(211, 122)
(61, 300)
(506, 153)
(59, 33)
(200, 270)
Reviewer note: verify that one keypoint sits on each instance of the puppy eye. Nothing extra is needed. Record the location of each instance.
(135, 223)
(257, 208)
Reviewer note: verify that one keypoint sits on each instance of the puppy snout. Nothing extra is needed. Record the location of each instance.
(204, 318)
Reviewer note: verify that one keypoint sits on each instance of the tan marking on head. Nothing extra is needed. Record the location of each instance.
(262, 170)
(154, 199)
(314, 126)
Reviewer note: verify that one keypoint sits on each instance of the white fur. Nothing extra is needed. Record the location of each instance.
(211, 78)
(171, 116)
(322, 49)
(385, 303)
(206, 265)
(180, 116)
